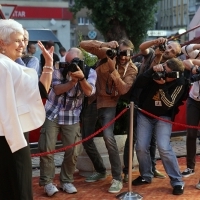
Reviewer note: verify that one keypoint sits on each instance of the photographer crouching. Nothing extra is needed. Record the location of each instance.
(162, 87)
(115, 76)
(63, 107)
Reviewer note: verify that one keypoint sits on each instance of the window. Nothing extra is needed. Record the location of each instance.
(83, 21)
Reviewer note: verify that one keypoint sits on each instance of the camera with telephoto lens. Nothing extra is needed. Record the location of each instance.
(111, 53)
(72, 66)
(164, 74)
(195, 77)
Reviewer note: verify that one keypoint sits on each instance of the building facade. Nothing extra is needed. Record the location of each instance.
(175, 16)
(53, 15)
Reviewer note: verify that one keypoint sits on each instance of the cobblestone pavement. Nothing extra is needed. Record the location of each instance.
(178, 145)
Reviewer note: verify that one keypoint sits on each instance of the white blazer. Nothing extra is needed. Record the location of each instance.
(21, 107)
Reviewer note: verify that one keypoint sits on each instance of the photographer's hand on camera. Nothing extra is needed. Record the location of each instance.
(159, 68)
(158, 41)
(78, 75)
(158, 52)
(111, 44)
(191, 65)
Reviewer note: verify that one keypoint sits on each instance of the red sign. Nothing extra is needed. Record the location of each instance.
(41, 13)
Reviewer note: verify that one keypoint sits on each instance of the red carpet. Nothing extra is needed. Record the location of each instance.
(159, 189)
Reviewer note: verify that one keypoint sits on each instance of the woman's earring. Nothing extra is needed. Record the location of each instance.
(3, 51)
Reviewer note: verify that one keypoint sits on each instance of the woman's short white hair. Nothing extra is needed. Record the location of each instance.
(7, 27)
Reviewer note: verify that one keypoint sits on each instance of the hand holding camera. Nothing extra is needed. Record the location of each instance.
(160, 44)
(161, 74)
(158, 68)
(77, 75)
(111, 44)
(160, 40)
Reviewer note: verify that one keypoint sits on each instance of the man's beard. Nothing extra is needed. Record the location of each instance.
(124, 62)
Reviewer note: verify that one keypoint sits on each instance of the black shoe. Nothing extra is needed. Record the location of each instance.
(178, 190)
(188, 172)
(139, 181)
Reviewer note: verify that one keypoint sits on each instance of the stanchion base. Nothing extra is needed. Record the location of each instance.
(129, 196)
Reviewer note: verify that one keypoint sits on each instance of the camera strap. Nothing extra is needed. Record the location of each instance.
(125, 68)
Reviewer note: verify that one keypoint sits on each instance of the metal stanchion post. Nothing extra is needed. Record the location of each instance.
(130, 195)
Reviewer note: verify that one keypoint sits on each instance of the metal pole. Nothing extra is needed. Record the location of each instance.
(130, 195)
(185, 32)
(130, 147)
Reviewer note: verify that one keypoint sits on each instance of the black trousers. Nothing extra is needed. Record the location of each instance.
(15, 173)
(193, 119)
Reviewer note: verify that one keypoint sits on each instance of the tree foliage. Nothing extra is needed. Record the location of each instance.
(117, 19)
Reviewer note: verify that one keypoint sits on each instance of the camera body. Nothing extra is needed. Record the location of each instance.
(111, 53)
(162, 47)
(195, 77)
(164, 74)
(72, 66)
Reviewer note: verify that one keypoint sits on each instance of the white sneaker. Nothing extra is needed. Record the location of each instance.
(50, 189)
(198, 185)
(69, 188)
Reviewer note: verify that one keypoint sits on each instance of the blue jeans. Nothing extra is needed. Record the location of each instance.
(126, 146)
(89, 119)
(162, 130)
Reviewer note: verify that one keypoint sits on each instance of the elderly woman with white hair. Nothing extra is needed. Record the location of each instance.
(21, 110)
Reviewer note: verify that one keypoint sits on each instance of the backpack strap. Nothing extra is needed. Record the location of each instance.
(87, 70)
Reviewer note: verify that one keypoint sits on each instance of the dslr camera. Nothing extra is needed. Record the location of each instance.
(195, 77)
(111, 53)
(72, 66)
(162, 47)
(164, 74)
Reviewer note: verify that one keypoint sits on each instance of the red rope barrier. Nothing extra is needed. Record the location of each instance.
(174, 123)
(107, 125)
(81, 141)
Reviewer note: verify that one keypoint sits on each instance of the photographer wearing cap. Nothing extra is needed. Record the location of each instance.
(115, 76)
(63, 109)
(158, 97)
(192, 106)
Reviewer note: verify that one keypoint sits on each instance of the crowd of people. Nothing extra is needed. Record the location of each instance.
(75, 93)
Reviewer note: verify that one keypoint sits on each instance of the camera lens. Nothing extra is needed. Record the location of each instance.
(73, 67)
(158, 75)
(111, 53)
